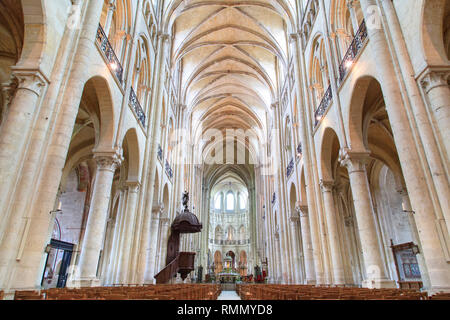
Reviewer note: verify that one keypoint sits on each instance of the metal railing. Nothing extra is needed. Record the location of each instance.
(112, 61)
(323, 106)
(290, 168)
(299, 150)
(169, 170)
(353, 51)
(137, 107)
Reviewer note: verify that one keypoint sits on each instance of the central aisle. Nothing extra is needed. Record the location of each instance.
(228, 295)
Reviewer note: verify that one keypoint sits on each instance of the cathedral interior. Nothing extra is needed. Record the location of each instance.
(224, 144)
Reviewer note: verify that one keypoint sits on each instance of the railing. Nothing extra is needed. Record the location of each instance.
(274, 198)
(324, 104)
(137, 107)
(183, 263)
(353, 50)
(169, 170)
(290, 168)
(160, 153)
(113, 62)
(299, 150)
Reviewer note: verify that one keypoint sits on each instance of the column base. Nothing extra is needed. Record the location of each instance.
(84, 282)
(436, 289)
(311, 282)
(379, 283)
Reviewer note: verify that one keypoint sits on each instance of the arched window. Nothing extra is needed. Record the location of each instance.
(230, 201)
(218, 201)
(242, 202)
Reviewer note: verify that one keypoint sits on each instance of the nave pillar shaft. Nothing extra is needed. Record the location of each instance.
(330, 212)
(152, 145)
(294, 223)
(427, 213)
(374, 266)
(307, 246)
(435, 85)
(434, 82)
(27, 264)
(307, 155)
(15, 132)
(151, 254)
(164, 236)
(98, 213)
(128, 232)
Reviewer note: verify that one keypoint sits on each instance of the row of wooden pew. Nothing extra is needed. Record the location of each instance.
(146, 292)
(310, 292)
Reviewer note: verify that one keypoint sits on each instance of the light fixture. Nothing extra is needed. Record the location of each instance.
(348, 64)
(113, 65)
(415, 249)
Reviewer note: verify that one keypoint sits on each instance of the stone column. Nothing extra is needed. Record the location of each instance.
(95, 227)
(330, 213)
(279, 276)
(109, 16)
(15, 132)
(7, 95)
(307, 245)
(435, 85)
(351, 4)
(151, 255)
(415, 237)
(128, 230)
(164, 221)
(294, 222)
(374, 266)
(427, 215)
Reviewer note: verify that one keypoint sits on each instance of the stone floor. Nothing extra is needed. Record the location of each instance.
(228, 295)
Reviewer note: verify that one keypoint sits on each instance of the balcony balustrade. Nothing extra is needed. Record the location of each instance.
(353, 51)
(112, 61)
(290, 168)
(323, 106)
(136, 106)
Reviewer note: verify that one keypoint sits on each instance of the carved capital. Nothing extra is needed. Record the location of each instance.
(133, 186)
(163, 36)
(434, 79)
(108, 160)
(164, 221)
(302, 210)
(348, 221)
(274, 104)
(353, 161)
(31, 80)
(293, 37)
(326, 186)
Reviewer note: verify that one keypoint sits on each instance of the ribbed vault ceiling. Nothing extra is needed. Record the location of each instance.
(228, 56)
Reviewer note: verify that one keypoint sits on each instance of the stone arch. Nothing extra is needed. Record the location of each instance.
(329, 152)
(366, 104)
(165, 197)
(293, 198)
(355, 121)
(435, 32)
(97, 90)
(130, 148)
(302, 189)
(156, 187)
(35, 33)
